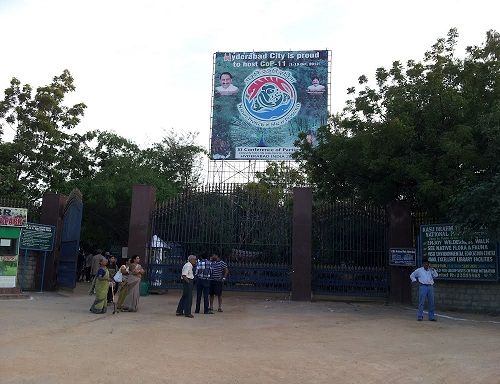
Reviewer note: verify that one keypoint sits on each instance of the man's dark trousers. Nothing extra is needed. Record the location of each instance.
(186, 300)
(202, 287)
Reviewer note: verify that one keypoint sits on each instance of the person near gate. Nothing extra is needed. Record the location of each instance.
(186, 301)
(219, 275)
(203, 276)
(424, 277)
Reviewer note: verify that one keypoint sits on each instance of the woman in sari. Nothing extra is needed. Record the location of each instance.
(133, 282)
(123, 287)
(101, 288)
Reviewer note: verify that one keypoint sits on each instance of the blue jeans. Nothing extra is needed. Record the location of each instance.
(423, 292)
(202, 288)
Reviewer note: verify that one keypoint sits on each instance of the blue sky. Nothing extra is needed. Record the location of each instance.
(143, 67)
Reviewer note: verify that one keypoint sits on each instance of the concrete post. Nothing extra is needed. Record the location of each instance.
(400, 236)
(139, 236)
(302, 244)
(52, 214)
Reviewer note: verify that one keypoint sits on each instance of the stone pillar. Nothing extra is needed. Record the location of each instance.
(52, 214)
(302, 244)
(400, 236)
(139, 236)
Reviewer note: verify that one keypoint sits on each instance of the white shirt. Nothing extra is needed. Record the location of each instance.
(187, 270)
(230, 90)
(423, 276)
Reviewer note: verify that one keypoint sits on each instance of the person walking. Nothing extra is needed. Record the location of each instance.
(203, 275)
(101, 288)
(186, 301)
(425, 276)
(136, 271)
(219, 275)
(88, 266)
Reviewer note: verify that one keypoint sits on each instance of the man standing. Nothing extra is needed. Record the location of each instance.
(186, 301)
(424, 276)
(219, 275)
(203, 275)
(96, 262)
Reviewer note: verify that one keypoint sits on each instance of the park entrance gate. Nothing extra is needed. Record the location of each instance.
(250, 227)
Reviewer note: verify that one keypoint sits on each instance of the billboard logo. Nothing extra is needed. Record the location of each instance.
(269, 98)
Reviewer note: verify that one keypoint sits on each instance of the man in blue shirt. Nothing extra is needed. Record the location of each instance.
(424, 276)
(203, 276)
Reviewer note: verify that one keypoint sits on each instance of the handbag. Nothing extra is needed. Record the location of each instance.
(118, 277)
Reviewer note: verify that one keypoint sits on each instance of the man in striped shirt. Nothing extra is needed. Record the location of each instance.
(203, 276)
(219, 275)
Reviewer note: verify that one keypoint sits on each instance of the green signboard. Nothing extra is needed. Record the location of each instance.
(456, 258)
(37, 237)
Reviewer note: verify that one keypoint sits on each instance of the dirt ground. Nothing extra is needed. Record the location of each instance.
(53, 338)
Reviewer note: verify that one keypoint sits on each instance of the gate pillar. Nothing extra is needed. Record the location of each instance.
(400, 236)
(143, 203)
(302, 244)
(52, 214)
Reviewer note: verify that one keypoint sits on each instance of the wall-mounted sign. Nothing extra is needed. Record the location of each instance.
(403, 257)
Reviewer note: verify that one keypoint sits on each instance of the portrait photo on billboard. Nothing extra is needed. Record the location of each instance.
(264, 100)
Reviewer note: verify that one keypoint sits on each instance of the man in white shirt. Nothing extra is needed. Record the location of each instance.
(186, 301)
(315, 88)
(424, 276)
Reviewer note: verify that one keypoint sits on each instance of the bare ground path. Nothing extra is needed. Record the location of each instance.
(53, 338)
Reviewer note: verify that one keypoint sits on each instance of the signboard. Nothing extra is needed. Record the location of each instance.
(263, 100)
(9, 250)
(403, 257)
(13, 217)
(37, 237)
(457, 259)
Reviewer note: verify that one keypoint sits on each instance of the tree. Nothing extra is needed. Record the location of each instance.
(427, 133)
(118, 164)
(44, 151)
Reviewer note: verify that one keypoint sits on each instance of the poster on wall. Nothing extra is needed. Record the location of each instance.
(457, 258)
(263, 100)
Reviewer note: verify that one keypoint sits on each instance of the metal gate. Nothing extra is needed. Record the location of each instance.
(350, 249)
(70, 241)
(249, 226)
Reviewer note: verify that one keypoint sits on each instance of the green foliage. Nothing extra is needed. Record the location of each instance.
(46, 156)
(38, 157)
(427, 132)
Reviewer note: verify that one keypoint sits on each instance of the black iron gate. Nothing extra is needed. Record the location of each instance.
(70, 241)
(249, 226)
(350, 250)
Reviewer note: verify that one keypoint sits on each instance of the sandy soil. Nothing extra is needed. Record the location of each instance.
(53, 338)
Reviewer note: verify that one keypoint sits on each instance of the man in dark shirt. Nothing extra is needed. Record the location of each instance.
(219, 275)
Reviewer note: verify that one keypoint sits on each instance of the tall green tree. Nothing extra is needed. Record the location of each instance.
(426, 132)
(44, 151)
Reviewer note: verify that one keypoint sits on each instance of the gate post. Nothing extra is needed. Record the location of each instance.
(400, 236)
(301, 244)
(52, 214)
(143, 203)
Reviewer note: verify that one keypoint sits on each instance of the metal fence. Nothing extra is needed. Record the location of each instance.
(350, 249)
(249, 226)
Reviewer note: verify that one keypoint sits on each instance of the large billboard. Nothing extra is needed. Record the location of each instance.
(263, 100)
